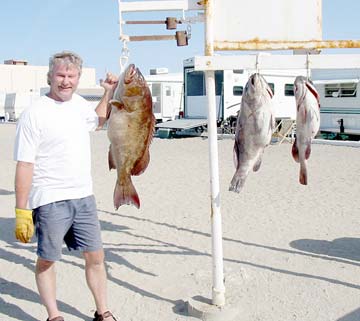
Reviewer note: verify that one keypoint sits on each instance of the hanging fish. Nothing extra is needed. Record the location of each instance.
(254, 128)
(130, 130)
(307, 122)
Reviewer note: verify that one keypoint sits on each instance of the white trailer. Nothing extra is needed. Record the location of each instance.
(167, 93)
(2, 106)
(339, 100)
(15, 103)
(229, 86)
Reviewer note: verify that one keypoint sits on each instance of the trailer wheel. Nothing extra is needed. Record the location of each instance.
(199, 130)
(233, 126)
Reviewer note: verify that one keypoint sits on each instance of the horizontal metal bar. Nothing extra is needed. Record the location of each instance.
(257, 44)
(151, 38)
(322, 61)
(144, 22)
(169, 5)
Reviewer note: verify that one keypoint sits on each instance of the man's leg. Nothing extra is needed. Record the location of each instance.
(46, 283)
(96, 278)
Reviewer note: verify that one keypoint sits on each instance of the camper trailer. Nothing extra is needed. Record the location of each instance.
(229, 86)
(2, 106)
(15, 103)
(339, 100)
(167, 93)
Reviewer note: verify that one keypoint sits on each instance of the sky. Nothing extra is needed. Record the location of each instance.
(33, 30)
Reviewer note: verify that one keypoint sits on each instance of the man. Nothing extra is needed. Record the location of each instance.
(53, 183)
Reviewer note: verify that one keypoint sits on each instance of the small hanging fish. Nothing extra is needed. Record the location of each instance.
(307, 122)
(254, 128)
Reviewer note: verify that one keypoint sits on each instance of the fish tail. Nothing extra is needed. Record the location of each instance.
(303, 173)
(236, 155)
(237, 183)
(111, 161)
(126, 194)
(258, 162)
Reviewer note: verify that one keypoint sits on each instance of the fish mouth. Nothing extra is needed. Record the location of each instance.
(129, 74)
(260, 80)
(252, 81)
(133, 73)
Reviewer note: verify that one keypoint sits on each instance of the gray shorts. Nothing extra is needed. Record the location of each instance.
(73, 221)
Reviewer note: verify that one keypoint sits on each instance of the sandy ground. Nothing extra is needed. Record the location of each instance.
(291, 252)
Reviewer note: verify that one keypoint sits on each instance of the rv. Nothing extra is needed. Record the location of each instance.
(2, 106)
(339, 100)
(229, 86)
(15, 103)
(167, 93)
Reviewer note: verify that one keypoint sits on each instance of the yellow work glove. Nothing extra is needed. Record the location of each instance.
(24, 228)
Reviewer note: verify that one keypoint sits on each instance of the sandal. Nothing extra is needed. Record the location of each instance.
(101, 317)
(56, 319)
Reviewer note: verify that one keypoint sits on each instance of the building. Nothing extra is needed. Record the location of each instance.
(20, 82)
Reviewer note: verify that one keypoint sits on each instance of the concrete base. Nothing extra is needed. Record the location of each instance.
(203, 309)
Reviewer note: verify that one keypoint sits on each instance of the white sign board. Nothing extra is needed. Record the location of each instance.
(267, 20)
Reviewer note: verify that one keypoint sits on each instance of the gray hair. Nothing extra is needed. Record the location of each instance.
(65, 57)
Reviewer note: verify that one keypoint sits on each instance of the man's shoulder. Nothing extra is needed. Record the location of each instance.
(40, 101)
(35, 104)
(79, 99)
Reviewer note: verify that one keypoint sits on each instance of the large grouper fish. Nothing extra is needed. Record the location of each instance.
(130, 130)
(254, 128)
(307, 122)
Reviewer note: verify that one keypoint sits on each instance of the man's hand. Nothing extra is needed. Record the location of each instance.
(24, 228)
(103, 108)
(110, 83)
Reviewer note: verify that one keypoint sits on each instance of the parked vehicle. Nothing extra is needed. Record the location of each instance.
(339, 100)
(167, 93)
(2, 106)
(229, 86)
(15, 103)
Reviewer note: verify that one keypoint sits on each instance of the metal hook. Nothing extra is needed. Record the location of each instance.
(257, 64)
(307, 66)
(188, 30)
(124, 58)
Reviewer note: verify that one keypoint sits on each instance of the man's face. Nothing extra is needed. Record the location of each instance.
(64, 81)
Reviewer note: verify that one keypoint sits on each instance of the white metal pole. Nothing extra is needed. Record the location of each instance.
(218, 289)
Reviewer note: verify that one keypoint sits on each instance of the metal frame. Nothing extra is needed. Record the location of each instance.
(209, 63)
(261, 61)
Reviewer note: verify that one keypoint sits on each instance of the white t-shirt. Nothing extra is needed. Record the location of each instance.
(55, 137)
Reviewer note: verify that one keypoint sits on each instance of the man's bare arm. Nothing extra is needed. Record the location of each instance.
(23, 180)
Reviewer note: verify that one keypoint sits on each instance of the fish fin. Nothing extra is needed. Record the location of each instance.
(141, 164)
(237, 183)
(308, 151)
(309, 84)
(257, 164)
(235, 155)
(108, 111)
(295, 152)
(117, 103)
(111, 160)
(303, 174)
(152, 129)
(126, 194)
